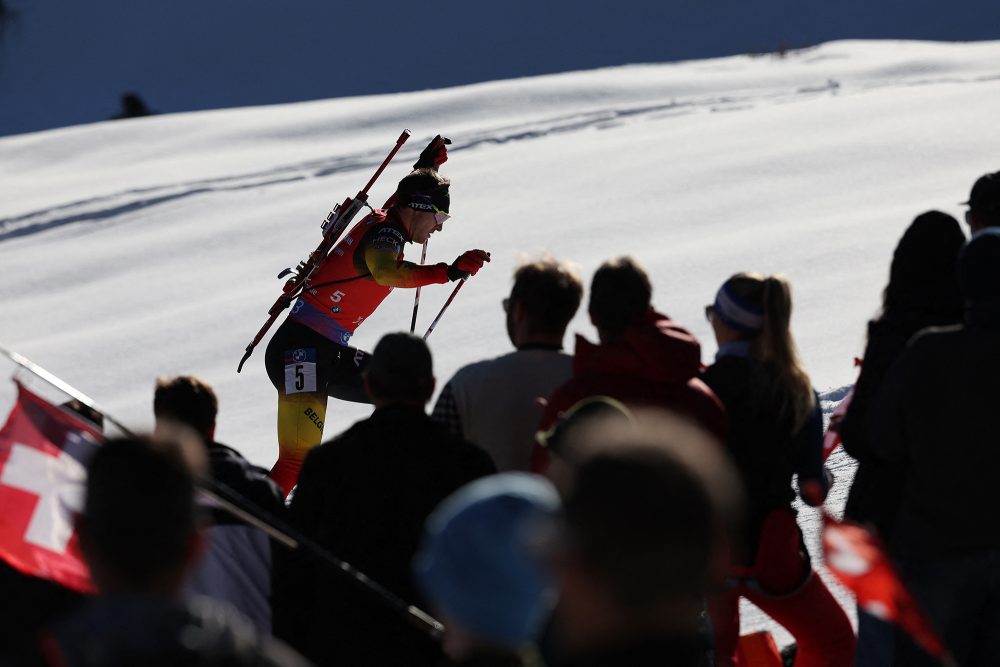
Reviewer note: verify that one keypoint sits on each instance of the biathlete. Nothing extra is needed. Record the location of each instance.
(309, 358)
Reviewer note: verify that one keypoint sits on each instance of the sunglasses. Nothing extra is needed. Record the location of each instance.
(709, 312)
(440, 217)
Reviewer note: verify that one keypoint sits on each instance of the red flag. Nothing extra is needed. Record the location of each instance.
(43, 456)
(860, 562)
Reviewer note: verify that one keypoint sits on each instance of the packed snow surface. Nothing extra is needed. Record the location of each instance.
(148, 247)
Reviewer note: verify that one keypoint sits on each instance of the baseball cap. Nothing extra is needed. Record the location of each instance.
(985, 195)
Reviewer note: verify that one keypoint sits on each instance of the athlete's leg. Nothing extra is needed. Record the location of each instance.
(298, 362)
(345, 380)
(300, 428)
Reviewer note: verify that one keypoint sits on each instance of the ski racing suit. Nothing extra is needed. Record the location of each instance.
(309, 359)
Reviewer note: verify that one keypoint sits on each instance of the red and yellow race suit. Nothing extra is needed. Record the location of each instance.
(360, 272)
(308, 358)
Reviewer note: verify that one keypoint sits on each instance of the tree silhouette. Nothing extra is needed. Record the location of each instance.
(7, 17)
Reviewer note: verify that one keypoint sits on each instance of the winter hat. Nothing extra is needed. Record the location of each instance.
(477, 563)
(979, 277)
(736, 312)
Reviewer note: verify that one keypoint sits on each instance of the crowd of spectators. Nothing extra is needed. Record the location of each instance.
(606, 507)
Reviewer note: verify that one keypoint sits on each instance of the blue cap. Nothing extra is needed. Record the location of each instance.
(477, 563)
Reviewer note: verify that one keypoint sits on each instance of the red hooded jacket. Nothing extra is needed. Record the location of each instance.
(655, 364)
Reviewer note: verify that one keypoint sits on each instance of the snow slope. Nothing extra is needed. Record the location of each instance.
(149, 247)
(66, 62)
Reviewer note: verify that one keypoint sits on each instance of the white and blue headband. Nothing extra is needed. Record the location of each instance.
(736, 312)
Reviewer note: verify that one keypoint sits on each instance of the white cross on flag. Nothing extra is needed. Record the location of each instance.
(43, 454)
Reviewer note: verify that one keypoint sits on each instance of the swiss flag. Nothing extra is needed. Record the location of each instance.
(43, 456)
(859, 560)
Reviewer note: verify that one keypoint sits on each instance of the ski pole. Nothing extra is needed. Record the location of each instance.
(416, 297)
(445, 307)
(250, 513)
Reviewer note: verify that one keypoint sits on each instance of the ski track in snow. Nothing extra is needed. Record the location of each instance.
(108, 207)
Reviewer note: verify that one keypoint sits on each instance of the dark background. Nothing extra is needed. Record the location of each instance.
(68, 61)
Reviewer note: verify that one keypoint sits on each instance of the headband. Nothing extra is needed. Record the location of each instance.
(737, 313)
(437, 200)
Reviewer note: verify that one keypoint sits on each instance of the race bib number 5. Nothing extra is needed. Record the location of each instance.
(300, 371)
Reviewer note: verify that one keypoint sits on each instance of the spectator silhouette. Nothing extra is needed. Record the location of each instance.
(493, 403)
(133, 106)
(365, 495)
(641, 540)
(934, 418)
(922, 291)
(984, 203)
(775, 431)
(480, 568)
(643, 358)
(236, 565)
(139, 533)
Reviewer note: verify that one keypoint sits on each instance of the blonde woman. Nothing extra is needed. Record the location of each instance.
(775, 431)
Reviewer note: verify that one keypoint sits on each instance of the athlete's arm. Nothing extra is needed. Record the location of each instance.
(382, 260)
